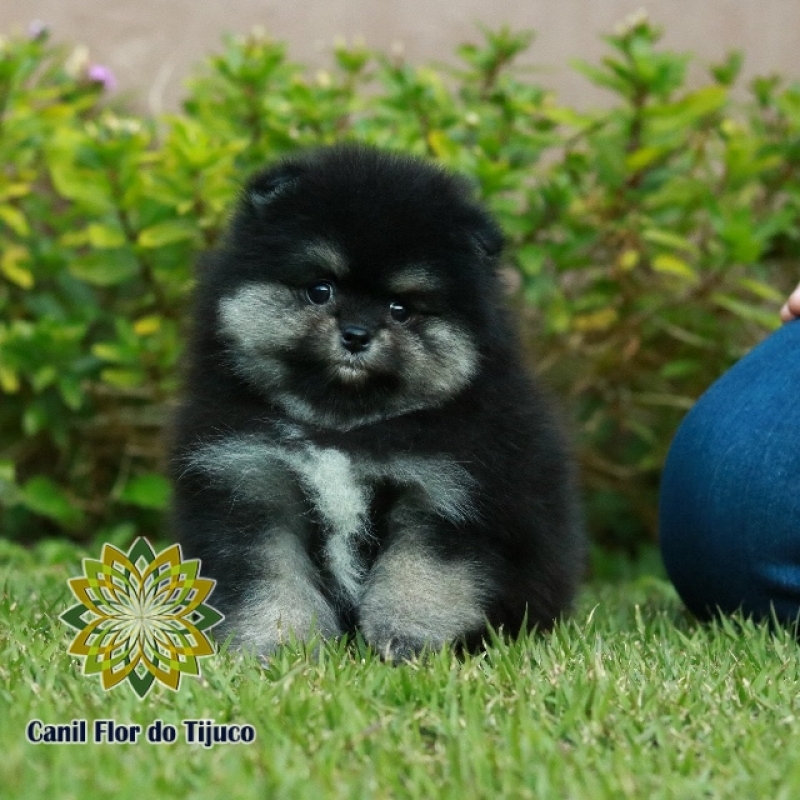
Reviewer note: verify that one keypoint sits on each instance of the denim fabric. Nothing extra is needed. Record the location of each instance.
(730, 491)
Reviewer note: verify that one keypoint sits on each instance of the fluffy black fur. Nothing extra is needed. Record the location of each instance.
(414, 484)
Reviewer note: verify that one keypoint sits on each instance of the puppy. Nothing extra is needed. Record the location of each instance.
(358, 446)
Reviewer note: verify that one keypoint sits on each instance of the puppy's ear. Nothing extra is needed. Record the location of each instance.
(263, 189)
(482, 232)
(487, 237)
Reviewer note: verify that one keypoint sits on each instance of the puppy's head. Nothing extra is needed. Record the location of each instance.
(356, 285)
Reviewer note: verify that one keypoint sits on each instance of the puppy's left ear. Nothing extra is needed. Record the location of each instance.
(266, 187)
(487, 237)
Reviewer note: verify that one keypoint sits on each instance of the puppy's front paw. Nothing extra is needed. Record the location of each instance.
(414, 601)
(395, 647)
(265, 622)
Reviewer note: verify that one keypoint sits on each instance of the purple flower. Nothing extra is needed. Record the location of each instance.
(97, 73)
(38, 30)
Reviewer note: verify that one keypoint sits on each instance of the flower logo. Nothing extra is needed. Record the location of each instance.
(140, 617)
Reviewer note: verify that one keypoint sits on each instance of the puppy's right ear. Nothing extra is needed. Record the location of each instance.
(266, 187)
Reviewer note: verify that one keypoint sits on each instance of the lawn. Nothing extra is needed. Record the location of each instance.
(630, 698)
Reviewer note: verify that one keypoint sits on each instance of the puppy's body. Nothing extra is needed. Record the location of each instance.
(358, 445)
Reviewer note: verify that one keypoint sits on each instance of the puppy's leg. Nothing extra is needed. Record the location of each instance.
(284, 602)
(414, 598)
(243, 511)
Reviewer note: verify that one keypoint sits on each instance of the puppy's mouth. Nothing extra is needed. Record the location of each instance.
(351, 369)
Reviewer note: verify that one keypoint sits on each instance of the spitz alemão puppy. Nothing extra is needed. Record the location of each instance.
(358, 446)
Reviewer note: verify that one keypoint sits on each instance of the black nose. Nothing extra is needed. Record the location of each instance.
(355, 338)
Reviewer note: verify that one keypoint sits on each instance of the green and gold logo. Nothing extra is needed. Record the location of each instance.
(140, 617)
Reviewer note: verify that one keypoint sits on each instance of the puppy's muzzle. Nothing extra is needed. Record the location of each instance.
(355, 338)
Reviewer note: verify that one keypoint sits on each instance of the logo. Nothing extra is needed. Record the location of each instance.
(140, 617)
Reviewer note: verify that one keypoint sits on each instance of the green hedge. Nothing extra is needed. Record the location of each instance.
(651, 244)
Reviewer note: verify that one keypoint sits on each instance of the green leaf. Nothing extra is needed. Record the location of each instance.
(531, 258)
(669, 239)
(147, 491)
(71, 392)
(762, 290)
(123, 378)
(10, 266)
(595, 321)
(15, 220)
(105, 237)
(665, 400)
(680, 117)
(7, 471)
(672, 265)
(9, 491)
(43, 377)
(728, 71)
(747, 311)
(566, 116)
(9, 379)
(106, 268)
(738, 230)
(44, 497)
(168, 232)
(82, 186)
(601, 77)
(681, 368)
(34, 419)
(644, 157)
(442, 145)
(108, 351)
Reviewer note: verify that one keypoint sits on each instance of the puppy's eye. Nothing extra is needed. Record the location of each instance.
(399, 311)
(320, 293)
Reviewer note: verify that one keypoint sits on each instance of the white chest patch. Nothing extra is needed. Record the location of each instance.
(342, 502)
(272, 473)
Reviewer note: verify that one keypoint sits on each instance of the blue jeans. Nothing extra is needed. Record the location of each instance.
(730, 491)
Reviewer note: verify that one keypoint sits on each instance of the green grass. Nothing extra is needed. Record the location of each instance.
(630, 698)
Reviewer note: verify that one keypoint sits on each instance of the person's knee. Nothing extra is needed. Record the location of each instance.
(703, 561)
(729, 511)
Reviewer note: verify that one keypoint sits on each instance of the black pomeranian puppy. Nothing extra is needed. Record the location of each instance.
(358, 446)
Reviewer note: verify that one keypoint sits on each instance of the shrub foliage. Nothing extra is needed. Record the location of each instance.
(650, 244)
